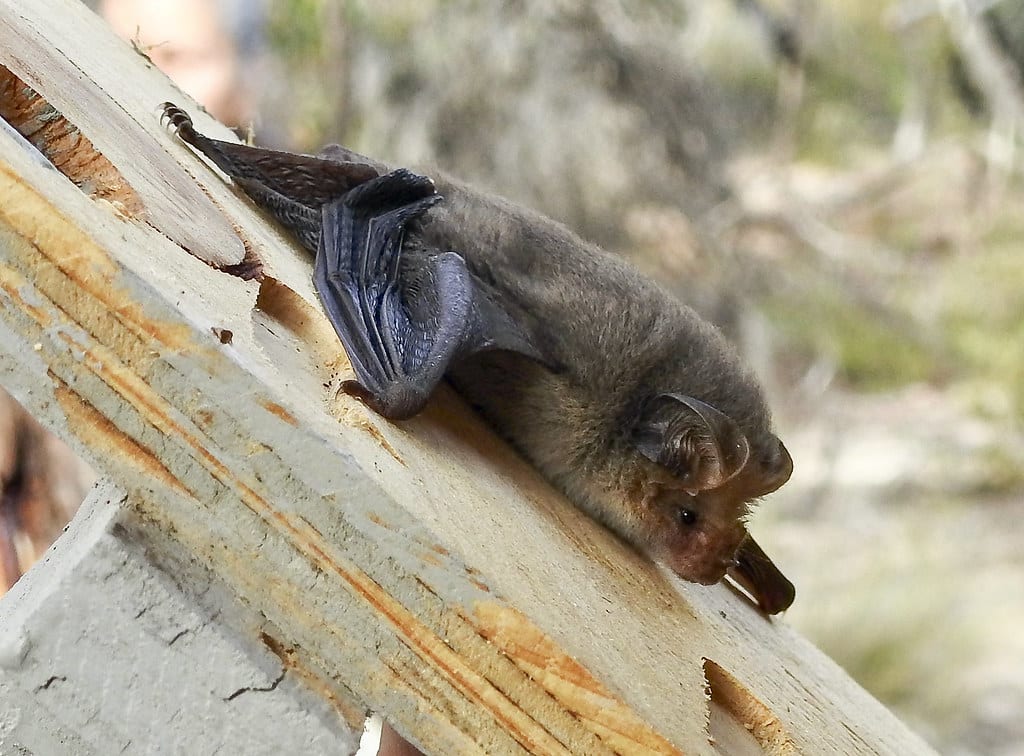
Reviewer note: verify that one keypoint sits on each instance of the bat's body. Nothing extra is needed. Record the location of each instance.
(615, 340)
(620, 394)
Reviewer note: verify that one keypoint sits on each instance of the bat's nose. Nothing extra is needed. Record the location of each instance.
(712, 573)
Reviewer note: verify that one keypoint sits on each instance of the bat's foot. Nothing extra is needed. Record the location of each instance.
(399, 402)
(174, 117)
(180, 123)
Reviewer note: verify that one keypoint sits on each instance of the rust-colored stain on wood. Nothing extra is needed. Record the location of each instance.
(355, 417)
(250, 268)
(571, 684)
(428, 557)
(42, 228)
(276, 409)
(376, 519)
(64, 145)
(422, 640)
(12, 283)
(280, 302)
(97, 432)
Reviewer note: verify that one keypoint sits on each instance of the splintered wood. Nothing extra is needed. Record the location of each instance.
(418, 569)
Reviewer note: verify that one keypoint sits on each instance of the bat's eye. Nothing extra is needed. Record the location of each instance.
(687, 516)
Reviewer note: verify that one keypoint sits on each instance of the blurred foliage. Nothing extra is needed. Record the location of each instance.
(871, 349)
(984, 309)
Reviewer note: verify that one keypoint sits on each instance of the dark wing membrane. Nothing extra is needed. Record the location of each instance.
(354, 219)
(311, 181)
(400, 353)
(302, 221)
(396, 358)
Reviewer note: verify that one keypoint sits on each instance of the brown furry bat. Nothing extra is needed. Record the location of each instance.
(621, 395)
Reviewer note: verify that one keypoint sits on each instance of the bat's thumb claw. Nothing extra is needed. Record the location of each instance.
(399, 404)
(356, 389)
(367, 397)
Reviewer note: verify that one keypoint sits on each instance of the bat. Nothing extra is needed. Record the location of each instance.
(636, 408)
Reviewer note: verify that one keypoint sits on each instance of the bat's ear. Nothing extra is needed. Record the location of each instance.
(701, 445)
(775, 468)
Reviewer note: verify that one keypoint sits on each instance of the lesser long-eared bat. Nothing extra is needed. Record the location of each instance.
(622, 396)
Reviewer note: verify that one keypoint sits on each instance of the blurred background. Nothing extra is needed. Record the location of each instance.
(837, 184)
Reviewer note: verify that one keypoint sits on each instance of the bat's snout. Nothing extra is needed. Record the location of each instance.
(706, 571)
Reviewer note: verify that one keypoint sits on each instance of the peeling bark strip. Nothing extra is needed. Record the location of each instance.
(417, 569)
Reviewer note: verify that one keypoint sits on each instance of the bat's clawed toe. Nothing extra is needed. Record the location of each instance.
(173, 116)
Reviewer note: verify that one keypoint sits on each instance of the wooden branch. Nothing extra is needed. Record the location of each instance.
(418, 569)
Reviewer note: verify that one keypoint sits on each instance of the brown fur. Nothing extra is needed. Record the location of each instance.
(618, 340)
(626, 399)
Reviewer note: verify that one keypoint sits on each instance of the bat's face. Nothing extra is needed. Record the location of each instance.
(698, 533)
(698, 537)
(698, 492)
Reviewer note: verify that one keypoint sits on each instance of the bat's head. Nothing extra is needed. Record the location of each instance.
(707, 473)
